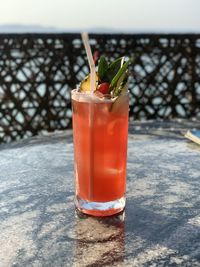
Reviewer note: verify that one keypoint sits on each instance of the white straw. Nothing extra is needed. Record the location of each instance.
(85, 39)
(86, 43)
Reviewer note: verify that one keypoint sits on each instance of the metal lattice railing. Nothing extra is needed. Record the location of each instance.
(37, 72)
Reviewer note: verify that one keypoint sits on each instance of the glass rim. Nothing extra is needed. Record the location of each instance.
(87, 97)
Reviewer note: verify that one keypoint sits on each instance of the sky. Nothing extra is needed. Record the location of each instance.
(118, 15)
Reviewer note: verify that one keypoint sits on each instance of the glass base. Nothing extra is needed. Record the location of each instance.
(100, 208)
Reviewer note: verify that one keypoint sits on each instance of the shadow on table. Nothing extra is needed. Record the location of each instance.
(99, 241)
(63, 237)
(140, 236)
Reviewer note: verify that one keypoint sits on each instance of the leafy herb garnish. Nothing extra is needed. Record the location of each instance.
(121, 71)
(122, 85)
(112, 79)
(113, 69)
(102, 67)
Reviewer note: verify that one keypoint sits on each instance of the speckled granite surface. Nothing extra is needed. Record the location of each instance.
(161, 224)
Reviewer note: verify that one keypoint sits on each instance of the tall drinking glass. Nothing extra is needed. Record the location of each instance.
(100, 131)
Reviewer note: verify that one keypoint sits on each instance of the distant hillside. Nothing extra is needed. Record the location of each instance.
(18, 28)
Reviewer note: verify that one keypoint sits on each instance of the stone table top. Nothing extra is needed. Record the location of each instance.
(161, 223)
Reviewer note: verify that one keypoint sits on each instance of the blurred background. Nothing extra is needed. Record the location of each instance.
(128, 16)
(42, 58)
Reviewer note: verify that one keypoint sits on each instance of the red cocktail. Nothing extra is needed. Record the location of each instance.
(100, 128)
(104, 146)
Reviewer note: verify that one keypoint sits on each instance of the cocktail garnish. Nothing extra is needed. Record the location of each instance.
(111, 79)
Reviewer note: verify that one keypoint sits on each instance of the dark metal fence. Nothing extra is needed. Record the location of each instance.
(37, 72)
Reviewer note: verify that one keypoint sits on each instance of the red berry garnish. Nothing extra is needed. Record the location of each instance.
(104, 88)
